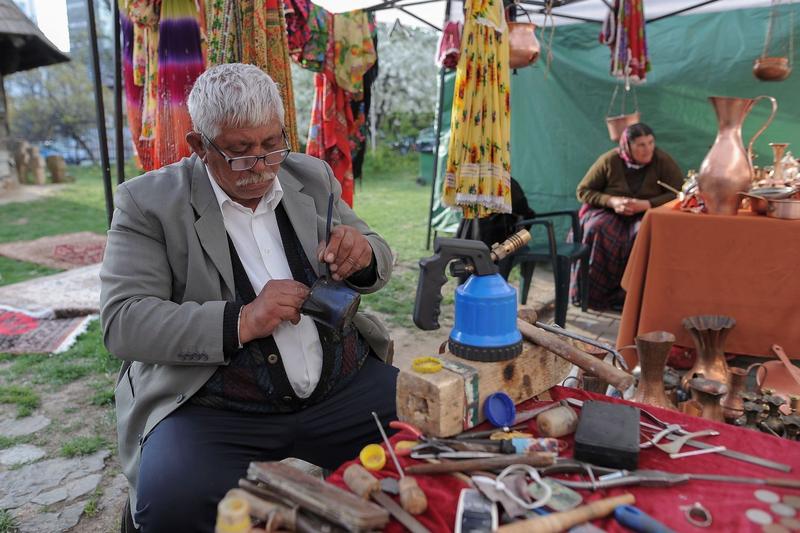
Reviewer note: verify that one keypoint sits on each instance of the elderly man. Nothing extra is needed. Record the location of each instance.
(207, 265)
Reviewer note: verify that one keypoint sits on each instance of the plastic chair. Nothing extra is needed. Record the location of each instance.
(560, 255)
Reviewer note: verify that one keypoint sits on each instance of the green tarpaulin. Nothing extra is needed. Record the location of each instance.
(558, 124)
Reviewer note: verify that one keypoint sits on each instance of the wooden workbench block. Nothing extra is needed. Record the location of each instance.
(438, 403)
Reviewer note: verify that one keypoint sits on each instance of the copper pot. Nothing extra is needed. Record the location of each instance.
(708, 333)
(653, 349)
(523, 46)
(709, 392)
(772, 68)
(616, 125)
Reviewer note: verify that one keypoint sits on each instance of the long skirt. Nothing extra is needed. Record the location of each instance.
(610, 237)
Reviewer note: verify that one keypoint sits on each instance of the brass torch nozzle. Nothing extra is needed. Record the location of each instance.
(510, 245)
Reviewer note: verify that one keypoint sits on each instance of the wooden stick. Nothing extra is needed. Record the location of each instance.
(537, 459)
(608, 373)
(552, 523)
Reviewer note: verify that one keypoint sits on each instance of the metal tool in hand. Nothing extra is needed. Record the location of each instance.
(732, 454)
(412, 498)
(330, 302)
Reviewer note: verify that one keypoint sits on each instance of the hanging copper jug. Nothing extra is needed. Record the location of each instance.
(708, 333)
(727, 168)
(653, 349)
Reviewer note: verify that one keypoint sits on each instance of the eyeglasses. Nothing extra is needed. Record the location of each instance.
(247, 162)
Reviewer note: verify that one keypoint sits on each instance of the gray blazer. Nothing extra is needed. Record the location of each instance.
(167, 274)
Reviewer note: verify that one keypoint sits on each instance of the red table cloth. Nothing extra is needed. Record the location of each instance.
(727, 502)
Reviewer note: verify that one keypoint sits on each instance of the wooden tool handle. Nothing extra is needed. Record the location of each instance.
(361, 482)
(778, 482)
(412, 498)
(608, 373)
(552, 523)
(536, 459)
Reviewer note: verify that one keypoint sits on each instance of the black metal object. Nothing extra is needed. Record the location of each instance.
(100, 110)
(118, 140)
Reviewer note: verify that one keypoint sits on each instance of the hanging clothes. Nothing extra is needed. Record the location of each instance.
(624, 33)
(139, 28)
(360, 109)
(331, 123)
(478, 172)
(449, 45)
(180, 62)
(354, 51)
(254, 32)
(297, 30)
(315, 45)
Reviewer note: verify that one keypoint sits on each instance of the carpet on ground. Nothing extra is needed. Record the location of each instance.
(24, 331)
(70, 250)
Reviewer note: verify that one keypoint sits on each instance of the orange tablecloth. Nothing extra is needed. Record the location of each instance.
(745, 266)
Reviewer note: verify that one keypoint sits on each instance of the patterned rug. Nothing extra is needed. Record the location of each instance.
(63, 252)
(74, 292)
(23, 332)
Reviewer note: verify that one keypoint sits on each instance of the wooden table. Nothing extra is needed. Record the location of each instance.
(745, 266)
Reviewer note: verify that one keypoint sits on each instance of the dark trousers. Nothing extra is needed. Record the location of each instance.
(192, 457)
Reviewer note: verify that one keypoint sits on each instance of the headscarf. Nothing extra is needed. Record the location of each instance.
(632, 132)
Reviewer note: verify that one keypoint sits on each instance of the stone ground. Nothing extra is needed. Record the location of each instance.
(47, 492)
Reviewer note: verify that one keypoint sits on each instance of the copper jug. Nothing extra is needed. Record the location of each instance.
(653, 349)
(708, 333)
(709, 392)
(733, 402)
(727, 168)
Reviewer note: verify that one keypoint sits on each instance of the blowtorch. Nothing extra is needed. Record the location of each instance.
(485, 305)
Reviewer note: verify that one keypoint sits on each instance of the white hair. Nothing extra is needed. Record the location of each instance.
(233, 95)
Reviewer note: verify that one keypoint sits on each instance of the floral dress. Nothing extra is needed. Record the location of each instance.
(478, 173)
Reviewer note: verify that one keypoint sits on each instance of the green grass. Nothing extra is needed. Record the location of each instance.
(24, 398)
(86, 357)
(12, 271)
(82, 446)
(93, 505)
(8, 524)
(8, 442)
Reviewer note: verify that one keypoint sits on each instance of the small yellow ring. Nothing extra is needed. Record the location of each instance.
(426, 365)
(373, 457)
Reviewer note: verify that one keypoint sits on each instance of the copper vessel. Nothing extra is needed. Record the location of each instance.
(778, 150)
(772, 68)
(732, 403)
(653, 349)
(709, 392)
(692, 408)
(727, 169)
(708, 333)
(616, 125)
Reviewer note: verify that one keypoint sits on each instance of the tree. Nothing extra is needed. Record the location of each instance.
(56, 101)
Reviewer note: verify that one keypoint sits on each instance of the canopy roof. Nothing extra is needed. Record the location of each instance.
(431, 12)
(22, 45)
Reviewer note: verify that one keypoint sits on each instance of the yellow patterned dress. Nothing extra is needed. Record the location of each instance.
(478, 174)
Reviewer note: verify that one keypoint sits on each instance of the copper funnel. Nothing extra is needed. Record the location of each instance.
(653, 349)
(709, 393)
(727, 169)
(708, 333)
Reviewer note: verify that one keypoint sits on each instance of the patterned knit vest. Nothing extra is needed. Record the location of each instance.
(255, 380)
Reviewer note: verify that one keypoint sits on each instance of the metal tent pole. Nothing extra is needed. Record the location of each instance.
(100, 110)
(438, 131)
(119, 145)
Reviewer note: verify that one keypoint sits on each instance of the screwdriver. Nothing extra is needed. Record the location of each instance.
(412, 498)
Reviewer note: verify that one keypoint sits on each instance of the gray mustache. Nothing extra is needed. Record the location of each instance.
(253, 179)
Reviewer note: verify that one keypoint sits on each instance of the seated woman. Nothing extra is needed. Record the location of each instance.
(616, 191)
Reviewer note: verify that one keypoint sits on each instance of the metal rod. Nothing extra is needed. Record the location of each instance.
(597, 344)
(437, 134)
(101, 115)
(410, 14)
(119, 144)
(678, 12)
(388, 445)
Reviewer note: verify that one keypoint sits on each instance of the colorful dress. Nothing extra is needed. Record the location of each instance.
(477, 178)
(624, 33)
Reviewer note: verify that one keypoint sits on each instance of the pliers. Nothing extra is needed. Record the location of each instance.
(604, 478)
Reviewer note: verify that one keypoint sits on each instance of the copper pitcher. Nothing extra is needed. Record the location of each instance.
(708, 333)
(733, 403)
(727, 169)
(653, 349)
(709, 392)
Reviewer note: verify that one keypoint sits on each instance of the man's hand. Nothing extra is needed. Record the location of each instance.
(278, 301)
(347, 252)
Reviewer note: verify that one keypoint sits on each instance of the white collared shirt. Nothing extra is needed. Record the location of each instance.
(257, 240)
